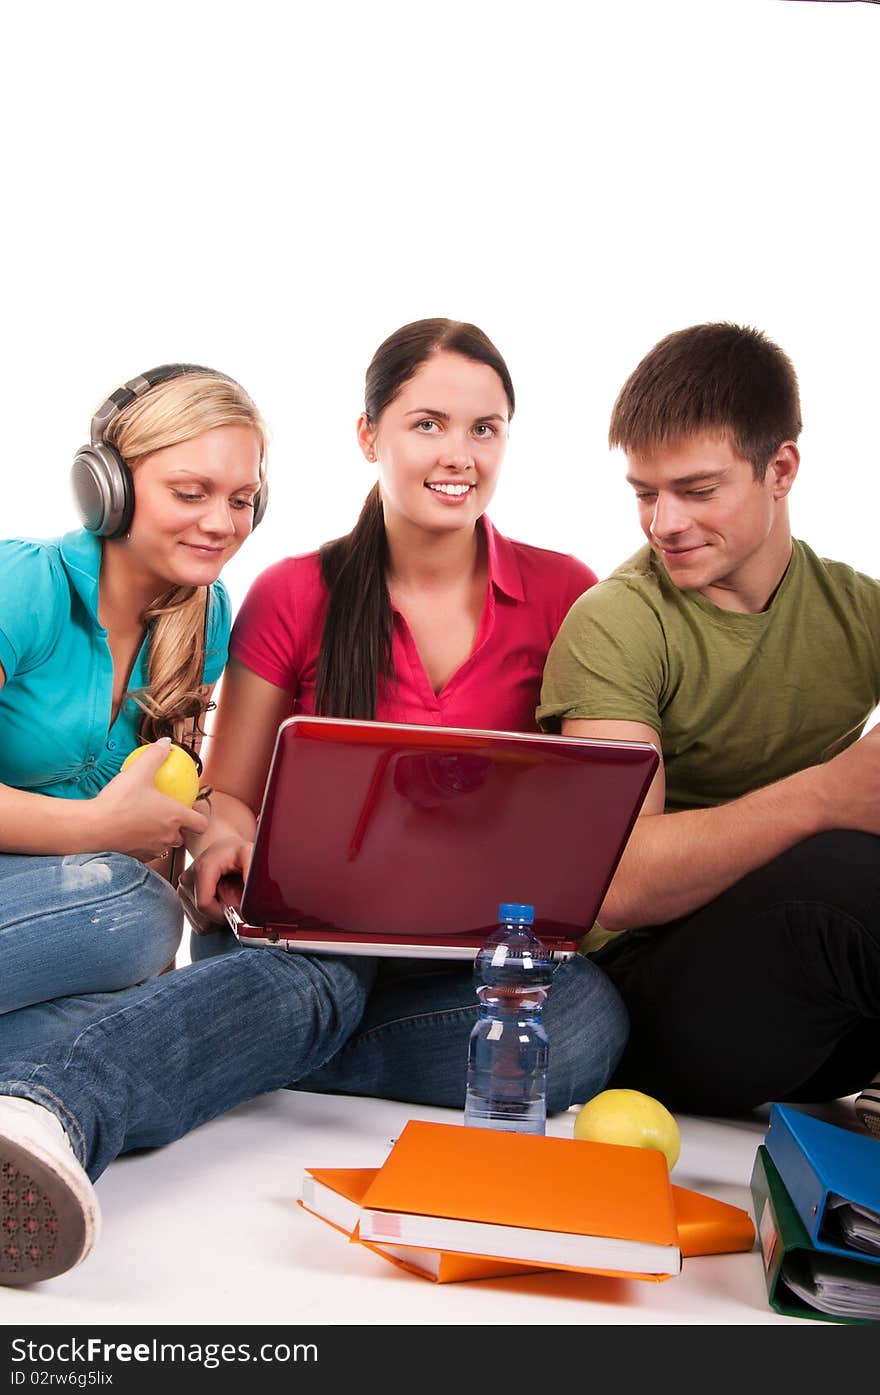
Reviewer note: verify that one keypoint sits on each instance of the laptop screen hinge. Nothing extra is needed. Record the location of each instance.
(237, 923)
(233, 917)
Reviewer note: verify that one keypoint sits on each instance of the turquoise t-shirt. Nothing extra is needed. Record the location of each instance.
(55, 704)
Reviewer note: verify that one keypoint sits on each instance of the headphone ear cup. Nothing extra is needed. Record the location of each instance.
(260, 504)
(103, 490)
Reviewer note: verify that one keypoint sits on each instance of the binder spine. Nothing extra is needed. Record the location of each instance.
(807, 1191)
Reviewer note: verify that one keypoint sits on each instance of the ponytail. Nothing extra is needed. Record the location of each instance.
(355, 654)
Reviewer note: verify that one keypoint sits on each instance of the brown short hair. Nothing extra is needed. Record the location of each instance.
(725, 378)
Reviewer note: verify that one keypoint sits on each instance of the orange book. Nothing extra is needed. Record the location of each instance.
(335, 1194)
(705, 1226)
(552, 1202)
(445, 1267)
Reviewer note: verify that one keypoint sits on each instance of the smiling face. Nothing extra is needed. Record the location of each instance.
(715, 527)
(439, 444)
(193, 507)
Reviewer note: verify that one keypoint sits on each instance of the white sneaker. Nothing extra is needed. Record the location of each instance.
(867, 1106)
(49, 1216)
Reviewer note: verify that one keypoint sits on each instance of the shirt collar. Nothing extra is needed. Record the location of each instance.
(81, 554)
(504, 572)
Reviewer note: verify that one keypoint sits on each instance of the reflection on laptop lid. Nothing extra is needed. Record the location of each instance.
(380, 838)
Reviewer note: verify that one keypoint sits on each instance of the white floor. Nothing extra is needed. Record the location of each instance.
(207, 1231)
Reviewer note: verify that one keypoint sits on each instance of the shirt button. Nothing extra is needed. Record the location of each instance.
(111, 745)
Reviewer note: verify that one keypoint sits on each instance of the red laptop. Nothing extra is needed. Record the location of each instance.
(380, 838)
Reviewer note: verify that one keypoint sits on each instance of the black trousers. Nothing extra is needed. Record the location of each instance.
(769, 992)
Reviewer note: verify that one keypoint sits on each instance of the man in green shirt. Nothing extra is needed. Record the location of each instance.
(743, 925)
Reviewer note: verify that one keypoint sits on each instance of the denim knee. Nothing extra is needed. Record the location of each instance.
(588, 1026)
(211, 943)
(137, 919)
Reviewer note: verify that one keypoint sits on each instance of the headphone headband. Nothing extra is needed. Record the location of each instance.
(136, 387)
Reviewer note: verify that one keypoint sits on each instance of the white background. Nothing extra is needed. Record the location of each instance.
(272, 188)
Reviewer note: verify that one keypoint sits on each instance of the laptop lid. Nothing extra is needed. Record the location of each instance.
(386, 838)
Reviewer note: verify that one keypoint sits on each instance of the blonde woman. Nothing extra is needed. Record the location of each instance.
(113, 636)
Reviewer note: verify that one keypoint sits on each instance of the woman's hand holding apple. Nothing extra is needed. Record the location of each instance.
(130, 815)
(178, 774)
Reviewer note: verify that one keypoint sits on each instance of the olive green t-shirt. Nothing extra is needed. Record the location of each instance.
(738, 701)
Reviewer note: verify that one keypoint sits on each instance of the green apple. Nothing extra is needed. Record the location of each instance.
(177, 776)
(628, 1117)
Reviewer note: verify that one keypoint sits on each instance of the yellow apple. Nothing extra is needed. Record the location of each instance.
(630, 1118)
(177, 776)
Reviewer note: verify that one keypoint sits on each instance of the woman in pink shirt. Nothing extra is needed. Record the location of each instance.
(423, 613)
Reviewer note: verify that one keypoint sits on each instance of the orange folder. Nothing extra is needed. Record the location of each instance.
(707, 1226)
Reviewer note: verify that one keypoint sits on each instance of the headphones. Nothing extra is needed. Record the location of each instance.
(103, 488)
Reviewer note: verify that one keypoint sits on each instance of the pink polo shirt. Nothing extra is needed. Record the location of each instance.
(277, 634)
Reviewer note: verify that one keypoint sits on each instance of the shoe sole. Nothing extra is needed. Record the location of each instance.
(867, 1107)
(44, 1228)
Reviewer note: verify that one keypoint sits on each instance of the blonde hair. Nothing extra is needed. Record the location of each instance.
(196, 401)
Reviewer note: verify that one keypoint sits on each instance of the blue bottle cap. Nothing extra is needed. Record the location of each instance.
(515, 913)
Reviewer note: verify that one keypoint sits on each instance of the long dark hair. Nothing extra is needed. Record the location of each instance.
(355, 653)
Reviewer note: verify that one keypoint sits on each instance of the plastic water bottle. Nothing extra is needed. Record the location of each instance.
(508, 1050)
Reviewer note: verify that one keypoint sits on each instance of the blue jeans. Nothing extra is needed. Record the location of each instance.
(176, 1052)
(84, 924)
(412, 1041)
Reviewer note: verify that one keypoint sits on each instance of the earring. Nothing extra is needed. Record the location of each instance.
(372, 455)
